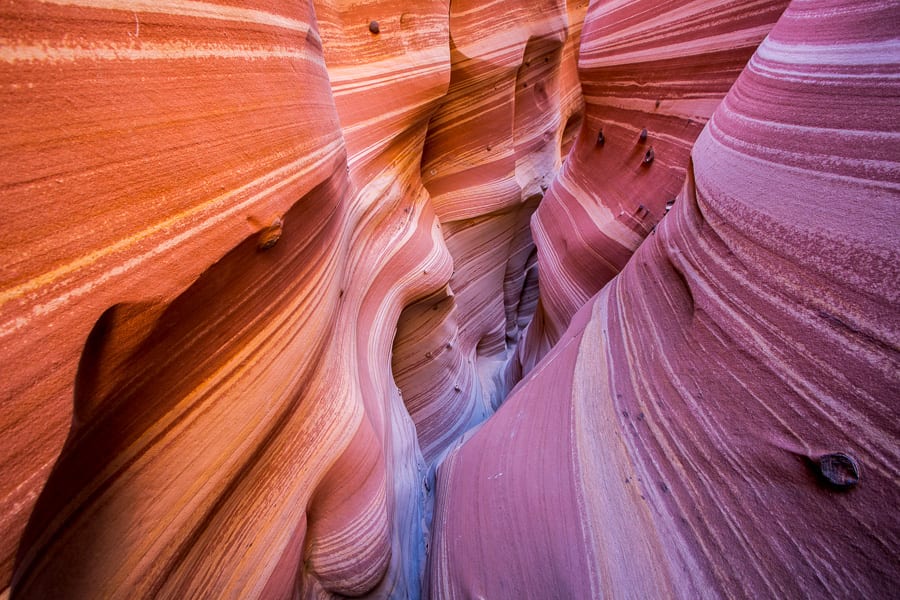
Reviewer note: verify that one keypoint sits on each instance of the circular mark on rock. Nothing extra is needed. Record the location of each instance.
(600, 139)
(838, 470)
(269, 236)
(649, 156)
(373, 27)
(643, 136)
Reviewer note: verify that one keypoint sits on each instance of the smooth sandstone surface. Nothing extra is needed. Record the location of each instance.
(682, 437)
(652, 73)
(267, 269)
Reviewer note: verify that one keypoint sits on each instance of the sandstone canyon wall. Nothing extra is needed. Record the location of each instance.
(267, 269)
(700, 427)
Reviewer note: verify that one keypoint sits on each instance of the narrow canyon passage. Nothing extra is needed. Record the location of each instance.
(449, 299)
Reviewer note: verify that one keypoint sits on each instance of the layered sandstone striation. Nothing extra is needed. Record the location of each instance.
(267, 268)
(652, 74)
(720, 420)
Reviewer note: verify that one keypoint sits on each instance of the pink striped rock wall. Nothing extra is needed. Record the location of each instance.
(652, 74)
(721, 419)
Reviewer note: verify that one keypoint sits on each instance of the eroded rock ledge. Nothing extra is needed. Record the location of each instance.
(267, 270)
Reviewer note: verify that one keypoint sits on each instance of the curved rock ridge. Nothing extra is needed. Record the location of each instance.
(721, 418)
(492, 148)
(203, 328)
(236, 431)
(652, 74)
(143, 145)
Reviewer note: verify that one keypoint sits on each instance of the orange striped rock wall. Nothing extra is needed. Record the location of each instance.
(148, 151)
(214, 219)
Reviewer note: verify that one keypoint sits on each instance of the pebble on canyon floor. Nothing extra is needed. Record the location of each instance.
(373, 27)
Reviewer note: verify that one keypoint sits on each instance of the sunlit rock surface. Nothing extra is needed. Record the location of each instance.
(144, 152)
(266, 268)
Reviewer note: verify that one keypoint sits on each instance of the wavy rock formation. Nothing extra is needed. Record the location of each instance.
(652, 75)
(721, 419)
(266, 268)
(221, 404)
(145, 150)
(492, 148)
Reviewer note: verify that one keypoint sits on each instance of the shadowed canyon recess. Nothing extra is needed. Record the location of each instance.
(450, 299)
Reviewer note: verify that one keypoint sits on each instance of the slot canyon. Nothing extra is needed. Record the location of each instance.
(475, 299)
